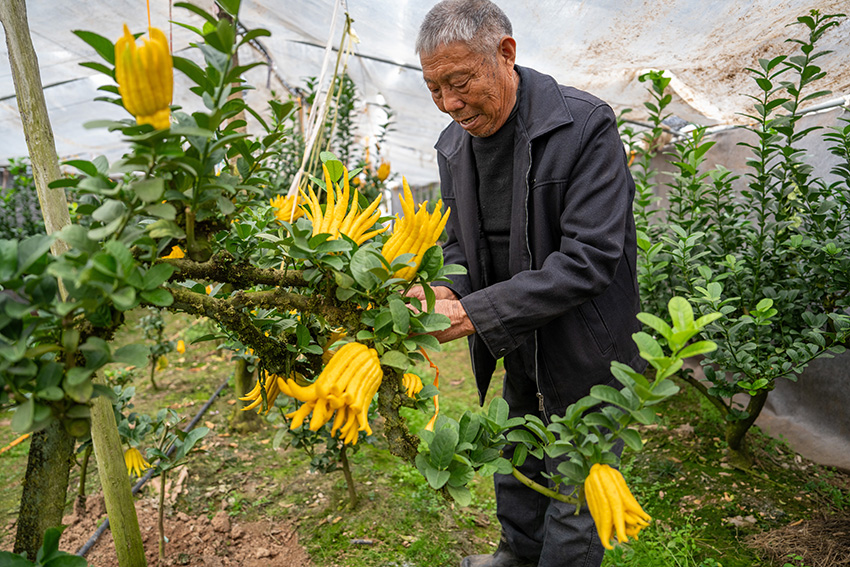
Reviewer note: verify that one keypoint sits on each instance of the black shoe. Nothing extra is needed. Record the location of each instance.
(503, 557)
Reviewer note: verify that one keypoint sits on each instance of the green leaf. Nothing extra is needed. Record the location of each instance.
(159, 297)
(132, 354)
(66, 560)
(395, 359)
(443, 448)
(363, 261)
(632, 439)
(655, 323)
(23, 416)
(165, 228)
(31, 250)
(664, 388)
(149, 190)
(503, 466)
(124, 298)
(498, 411)
(432, 261)
(519, 456)
(77, 375)
(109, 211)
(401, 316)
(76, 236)
(609, 395)
(193, 71)
(649, 347)
(104, 231)
(437, 478)
(230, 6)
(9, 559)
(8, 259)
(572, 471)
(104, 47)
(157, 275)
(460, 494)
(681, 313)
(700, 347)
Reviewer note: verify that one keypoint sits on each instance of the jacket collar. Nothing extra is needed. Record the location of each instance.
(542, 108)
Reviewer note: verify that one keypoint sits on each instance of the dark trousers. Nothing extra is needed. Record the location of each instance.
(536, 527)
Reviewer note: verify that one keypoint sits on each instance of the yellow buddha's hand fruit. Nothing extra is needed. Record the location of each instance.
(414, 233)
(612, 505)
(345, 388)
(135, 462)
(286, 209)
(145, 77)
(412, 384)
(255, 396)
(342, 214)
(383, 171)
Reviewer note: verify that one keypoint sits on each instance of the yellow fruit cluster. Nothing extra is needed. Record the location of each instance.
(414, 233)
(412, 384)
(255, 396)
(612, 505)
(135, 462)
(346, 386)
(342, 214)
(383, 171)
(283, 208)
(145, 77)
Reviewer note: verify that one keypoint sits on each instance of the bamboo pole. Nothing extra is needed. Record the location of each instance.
(34, 118)
(54, 208)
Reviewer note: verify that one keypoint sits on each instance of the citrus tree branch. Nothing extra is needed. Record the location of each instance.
(224, 268)
(542, 489)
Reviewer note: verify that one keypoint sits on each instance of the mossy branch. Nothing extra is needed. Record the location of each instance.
(224, 268)
(272, 351)
(401, 442)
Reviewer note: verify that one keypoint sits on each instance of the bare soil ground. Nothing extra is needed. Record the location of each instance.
(192, 540)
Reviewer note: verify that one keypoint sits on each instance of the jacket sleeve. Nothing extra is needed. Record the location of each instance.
(597, 204)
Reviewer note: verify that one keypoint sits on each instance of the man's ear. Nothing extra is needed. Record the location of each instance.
(507, 50)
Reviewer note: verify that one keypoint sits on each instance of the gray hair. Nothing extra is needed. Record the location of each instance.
(479, 24)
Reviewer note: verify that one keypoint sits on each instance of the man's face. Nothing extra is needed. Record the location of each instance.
(477, 91)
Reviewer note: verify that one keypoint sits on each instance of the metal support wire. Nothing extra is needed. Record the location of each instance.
(147, 476)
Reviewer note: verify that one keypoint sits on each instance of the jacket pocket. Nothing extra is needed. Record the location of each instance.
(596, 326)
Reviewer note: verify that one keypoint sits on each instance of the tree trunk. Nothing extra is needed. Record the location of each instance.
(349, 479)
(37, 130)
(45, 487)
(117, 492)
(736, 432)
(243, 421)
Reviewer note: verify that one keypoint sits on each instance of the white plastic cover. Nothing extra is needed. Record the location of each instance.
(597, 45)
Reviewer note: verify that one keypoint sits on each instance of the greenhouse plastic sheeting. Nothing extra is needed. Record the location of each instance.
(598, 45)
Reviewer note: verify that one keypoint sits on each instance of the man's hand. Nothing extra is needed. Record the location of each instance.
(440, 292)
(461, 326)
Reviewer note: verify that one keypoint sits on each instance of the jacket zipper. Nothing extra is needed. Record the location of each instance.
(540, 406)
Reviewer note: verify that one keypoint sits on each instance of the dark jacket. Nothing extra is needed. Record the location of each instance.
(573, 294)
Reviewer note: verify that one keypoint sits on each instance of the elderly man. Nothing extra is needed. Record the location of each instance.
(541, 197)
